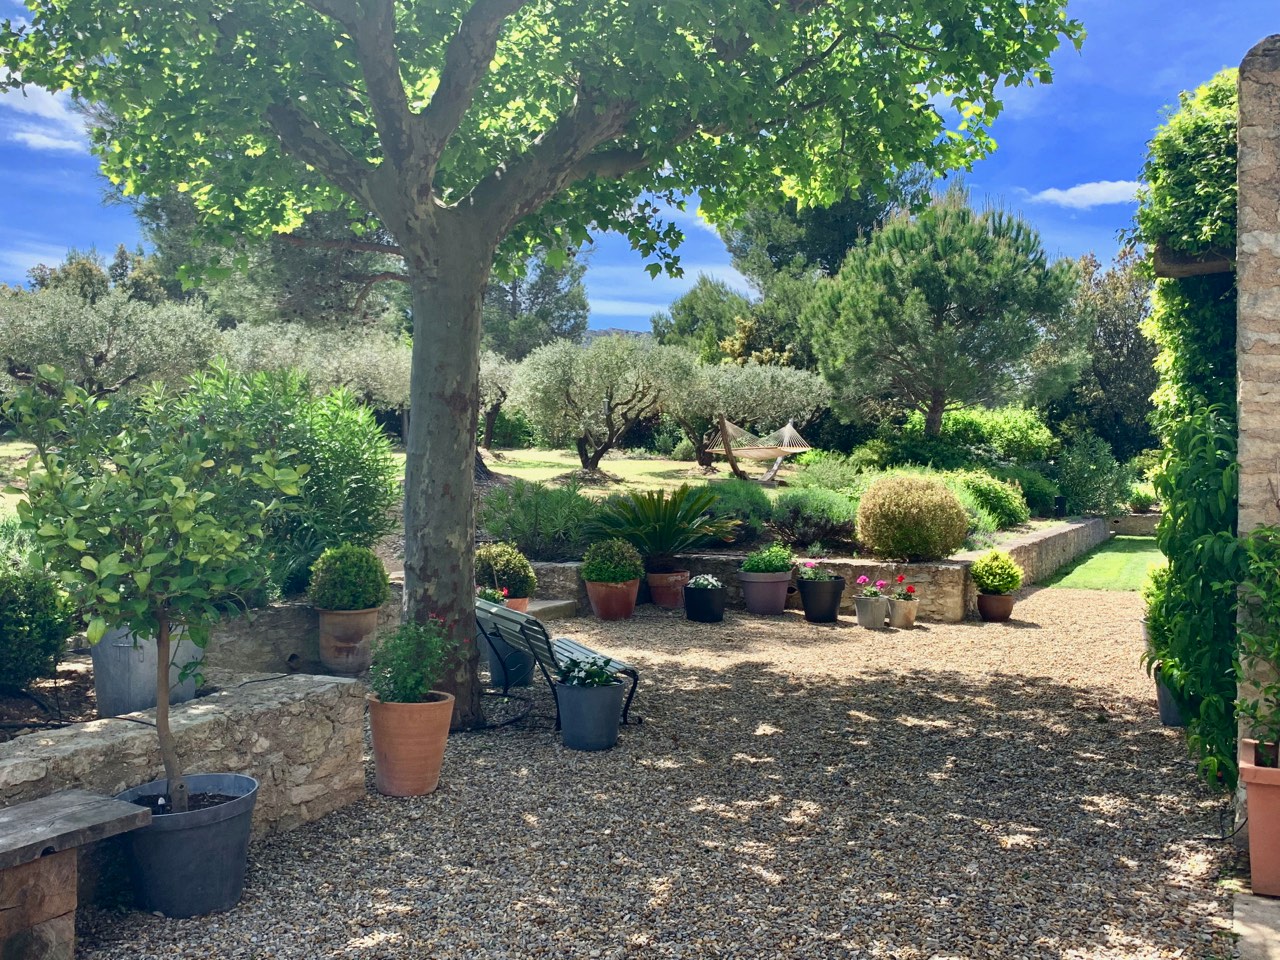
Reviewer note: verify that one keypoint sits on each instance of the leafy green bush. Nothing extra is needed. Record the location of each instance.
(35, 621)
(349, 578)
(1038, 490)
(1146, 464)
(911, 518)
(612, 561)
(17, 546)
(1091, 479)
(976, 434)
(813, 515)
(683, 451)
(746, 502)
(1142, 498)
(409, 661)
(772, 559)
(831, 472)
(661, 525)
(996, 572)
(503, 565)
(545, 523)
(1003, 501)
(899, 445)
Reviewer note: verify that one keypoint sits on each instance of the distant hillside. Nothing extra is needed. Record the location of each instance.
(591, 335)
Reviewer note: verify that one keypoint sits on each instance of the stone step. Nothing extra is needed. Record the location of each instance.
(553, 609)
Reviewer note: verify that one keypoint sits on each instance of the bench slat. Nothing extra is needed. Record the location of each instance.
(61, 821)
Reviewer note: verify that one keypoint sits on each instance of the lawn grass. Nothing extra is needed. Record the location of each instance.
(1122, 563)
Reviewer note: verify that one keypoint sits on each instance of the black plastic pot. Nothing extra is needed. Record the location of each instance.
(190, 864)
(704, 604)
(1174, 708)
(821, 599)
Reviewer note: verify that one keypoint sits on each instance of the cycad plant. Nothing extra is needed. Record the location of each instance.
(661, 524)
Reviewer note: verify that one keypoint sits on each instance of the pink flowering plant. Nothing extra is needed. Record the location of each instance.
(809, 570)
(872, 590)
(904, 591)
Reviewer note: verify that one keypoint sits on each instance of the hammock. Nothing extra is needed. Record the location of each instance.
(776, 446)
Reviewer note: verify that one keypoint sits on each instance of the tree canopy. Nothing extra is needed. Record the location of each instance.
(542, 303)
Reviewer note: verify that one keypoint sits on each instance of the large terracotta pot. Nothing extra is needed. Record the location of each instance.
(408, 744)
(765, 593)
(995, 607)
(519, 604)
(667, 589)
(344, 639)
(1262, 796)
(613, 601)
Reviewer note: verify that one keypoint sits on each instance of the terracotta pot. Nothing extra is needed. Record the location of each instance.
(519, 604)
(902, 613)
(408, 744)
(765, 593)
(344, 639)
(667, 589)
(995, 607)
(613, 601)
(872, 612)
(1262, 797)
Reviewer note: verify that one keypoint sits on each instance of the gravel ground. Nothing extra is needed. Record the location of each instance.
(799, 791)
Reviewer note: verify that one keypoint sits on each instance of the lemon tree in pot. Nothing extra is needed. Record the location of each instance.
(153, 518)
(996, 576)
(611, 570)
(766, 577)
(408, 718)
(661, 526)
(501, 566)
(348, 585)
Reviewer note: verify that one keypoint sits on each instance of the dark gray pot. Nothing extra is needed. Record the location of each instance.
(190, 864)
(821, 599)
(508, 666)
(124, 672)
(704, 604)
(589, 716)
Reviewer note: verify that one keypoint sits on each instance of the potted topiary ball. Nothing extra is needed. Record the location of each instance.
(820, 593)
(409, 720)
(503, 567)
(704, 598)
(348, 585)
(590, 701)
(996, 576)
(766, 578)
(612, 570)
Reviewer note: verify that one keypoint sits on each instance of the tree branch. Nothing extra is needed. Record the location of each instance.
(356, 246)
(314, 146)
(373, 280)
(807, 64)
(399, 128)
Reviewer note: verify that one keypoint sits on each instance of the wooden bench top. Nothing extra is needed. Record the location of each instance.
(61, 821)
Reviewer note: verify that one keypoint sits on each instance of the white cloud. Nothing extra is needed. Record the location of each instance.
(43, 121)
(39, 140)
(1085, 196)
(15, 261)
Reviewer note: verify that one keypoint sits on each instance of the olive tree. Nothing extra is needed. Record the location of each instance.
(475, 130)
(496, 376)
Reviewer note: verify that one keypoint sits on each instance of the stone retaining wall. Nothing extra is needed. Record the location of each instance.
(1135, 524)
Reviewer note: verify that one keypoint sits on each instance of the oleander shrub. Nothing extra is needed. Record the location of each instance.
(612, 561)
(813, 515)
(1038, 490)
(746, 502)
(1091, 479)
(349, 578)
(545, 523)
(503, 566)
(906, 517)
(996, 573)
(1003, 501)
(35, 621)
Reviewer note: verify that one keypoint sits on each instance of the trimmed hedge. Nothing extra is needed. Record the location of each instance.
(807, 516)
(1004, 501)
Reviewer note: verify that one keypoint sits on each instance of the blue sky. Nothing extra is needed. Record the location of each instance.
(1068, 155)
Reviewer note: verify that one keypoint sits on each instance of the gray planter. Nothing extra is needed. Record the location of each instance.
(510, 667)
(589, 716)
(872, 611)
(124, 672)
(765, 593)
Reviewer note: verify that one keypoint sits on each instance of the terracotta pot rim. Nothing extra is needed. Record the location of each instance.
(325, 610)
(677, 574)
(613, 583)
(439, 697)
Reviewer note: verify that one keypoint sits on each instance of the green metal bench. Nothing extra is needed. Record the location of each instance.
(526, 633)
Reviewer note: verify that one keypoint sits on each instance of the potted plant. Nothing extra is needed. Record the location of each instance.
(1173, 706)
(903, 604)
(503, 567)
(820, 593)
(348, 585)
(704, 598)
(408, 718)
(766, 578)
(996, 576)
(165, 528)
(662, 525)
(611, 569)
(590, 701)
(871, 604)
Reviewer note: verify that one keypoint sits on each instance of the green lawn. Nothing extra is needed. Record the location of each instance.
(1122, 563)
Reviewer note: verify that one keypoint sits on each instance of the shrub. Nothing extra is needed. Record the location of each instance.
(35, 621)
(1091, 479)
(1146, 464)
(683, 451)
(996, 572)
(349, 578)
(612, 561)
(746, 502)
(831, 472)
(17, 546)
(503, 565)
(813, 515)
(1003, 501)
(897, 445)
(661, 525)
(1037, 489)
(1008, 434)
(1142, 498)
(911, 518)
(409, 661)
(772, 559)
(545, 523)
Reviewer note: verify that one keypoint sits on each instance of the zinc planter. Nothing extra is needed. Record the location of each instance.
(193, 863)
(667, 589)
(408, 744)
(613, 601)
(704, 604)
(508, 666)
(344, 639)
(995, 607)
(821, 599)
(872, 612)
(902, 613)
(1262, 792)
(124, 673)
(1172, 712)
(589, 716)
(765, 593)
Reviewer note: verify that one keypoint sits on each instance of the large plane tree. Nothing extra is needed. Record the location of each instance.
(471, 131)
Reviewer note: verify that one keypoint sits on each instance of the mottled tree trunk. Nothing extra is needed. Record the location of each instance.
(589, 456)
(933, 416)
(490, 422)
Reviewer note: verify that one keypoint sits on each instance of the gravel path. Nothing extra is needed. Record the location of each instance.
(958, 791)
